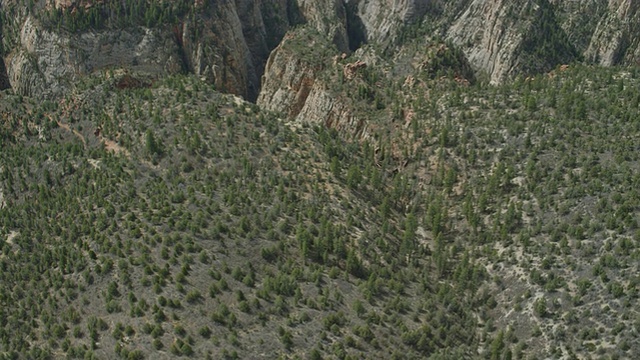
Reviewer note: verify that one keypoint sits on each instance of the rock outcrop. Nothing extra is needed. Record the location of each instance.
(615, 38)
(382, 19)
(293, 84)
(482, 33)
(504, 38)
(321, 107)
(289, 77)
(46, 62)
(228, 43)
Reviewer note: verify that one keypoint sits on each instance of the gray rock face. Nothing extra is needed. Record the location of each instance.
(291, 85)
(218, 50)
(227, 45)
(321, 107)
(47, 63)
(228, 42)
(328, 17)
(482, 32)
(605, 32)
(615, 37)
(287, 82)
(496, 35)
(383, 18)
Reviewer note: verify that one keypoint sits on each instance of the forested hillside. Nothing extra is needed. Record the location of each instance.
(171, 220)
(391, 180)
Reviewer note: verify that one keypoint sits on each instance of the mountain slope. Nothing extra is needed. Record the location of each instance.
(410, 182)
(206, 226)
(203, 227)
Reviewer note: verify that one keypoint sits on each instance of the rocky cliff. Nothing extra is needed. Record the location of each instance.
(225, 42)
(228, 43)
(615, 38)
(381, 19)
(500, 40)
(503, 38)
(294, 83)
(46, 62)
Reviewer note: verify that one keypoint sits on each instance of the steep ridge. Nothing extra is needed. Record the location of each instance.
(294, 86)
(238, 46)
(382, 19)
(500, 40)
(615, 39)
(227, 43)
(505, 38)
(312, 78)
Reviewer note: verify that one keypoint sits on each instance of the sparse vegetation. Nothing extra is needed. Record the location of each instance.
(469, 220)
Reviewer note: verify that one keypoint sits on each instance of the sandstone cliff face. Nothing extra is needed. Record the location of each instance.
(46, 63)
(288, 79)
(217, 50)
(605, 32)
(504, 38)
(615, 38)
(293, 84)
(328, 17)
(290, 83)
(227, 43)
(321, 107)
(482, 32)
(381, 19)
(231, 42)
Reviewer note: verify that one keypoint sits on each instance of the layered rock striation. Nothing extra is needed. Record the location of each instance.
(229, 43)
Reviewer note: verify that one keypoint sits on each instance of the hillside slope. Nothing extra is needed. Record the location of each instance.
(402, 180)
(208, 227)
(201, 227)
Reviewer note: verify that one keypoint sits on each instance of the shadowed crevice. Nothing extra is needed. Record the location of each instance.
(356, 30)
(4, 79)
